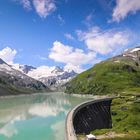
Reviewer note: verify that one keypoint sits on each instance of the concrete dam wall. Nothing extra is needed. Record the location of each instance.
(88, 116)
(92, 116)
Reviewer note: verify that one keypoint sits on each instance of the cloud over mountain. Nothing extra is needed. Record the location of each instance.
(103, 42)
(8, 55)
(69, 55)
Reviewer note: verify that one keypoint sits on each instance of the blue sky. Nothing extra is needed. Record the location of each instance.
(74, 34)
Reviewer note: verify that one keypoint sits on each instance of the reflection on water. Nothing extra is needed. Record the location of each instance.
(35, 117)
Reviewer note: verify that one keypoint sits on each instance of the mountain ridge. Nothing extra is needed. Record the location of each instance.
(54, 78)
(111, 76)
(13, 81)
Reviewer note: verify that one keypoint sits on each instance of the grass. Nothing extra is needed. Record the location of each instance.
(117, 76)
(124, 138)
(125, 112)
(125, 118)
(106, 78)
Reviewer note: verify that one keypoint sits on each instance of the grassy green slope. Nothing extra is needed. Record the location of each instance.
(118, 75)
(108, 77)
(125, 117)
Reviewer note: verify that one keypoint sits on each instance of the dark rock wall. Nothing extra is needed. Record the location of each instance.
(93, 116)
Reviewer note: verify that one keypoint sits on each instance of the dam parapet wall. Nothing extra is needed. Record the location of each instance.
(88, 116)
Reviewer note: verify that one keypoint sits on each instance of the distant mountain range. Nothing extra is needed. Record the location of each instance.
(112, 76)
(25, 79)
(53, 79)
(58, 78)
(15, 82)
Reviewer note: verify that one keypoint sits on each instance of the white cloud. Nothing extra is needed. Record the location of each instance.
(73, 58)
(69, 55)
(44, 7)
(103, 42)
(45, 71)
(76, 68)
(61, 20)
(124, 7)
(88, 19)
(42, 71)
(26, 4)
(69, 36)
(8, 55)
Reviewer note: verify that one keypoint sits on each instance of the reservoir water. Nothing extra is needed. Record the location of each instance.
(35, 117)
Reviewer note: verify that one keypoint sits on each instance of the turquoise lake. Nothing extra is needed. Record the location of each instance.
(35, 117)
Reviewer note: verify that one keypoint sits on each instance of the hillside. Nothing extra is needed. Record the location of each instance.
(115, 75)
(15, 82)
(119, 75)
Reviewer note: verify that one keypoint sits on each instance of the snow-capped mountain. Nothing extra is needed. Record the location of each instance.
(13, 81)
(53, 77)
(23, 68)
(26, 68)
(57, 70)
(58, 80)
(134, 53)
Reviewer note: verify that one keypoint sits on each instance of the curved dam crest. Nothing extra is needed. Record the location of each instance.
(87, 117)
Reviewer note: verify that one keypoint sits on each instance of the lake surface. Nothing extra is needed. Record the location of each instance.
(35, 117)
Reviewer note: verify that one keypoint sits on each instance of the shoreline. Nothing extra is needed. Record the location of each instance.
(91, 96)
(22, 95)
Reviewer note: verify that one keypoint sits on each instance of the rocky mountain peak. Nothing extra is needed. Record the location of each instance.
(26, 68)
(57, 69)
(133, 53)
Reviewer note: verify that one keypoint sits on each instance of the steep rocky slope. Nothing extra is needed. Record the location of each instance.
(15, 82)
